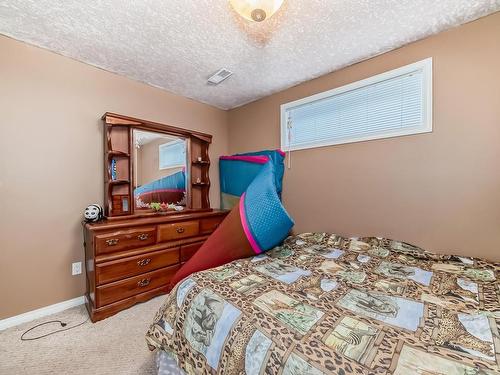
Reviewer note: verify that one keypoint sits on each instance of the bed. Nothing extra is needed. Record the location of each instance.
(168, 189)
(325, 304)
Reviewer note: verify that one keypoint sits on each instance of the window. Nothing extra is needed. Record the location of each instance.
(173, 154)
(391, 104)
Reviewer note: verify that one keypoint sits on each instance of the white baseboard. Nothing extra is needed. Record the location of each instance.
(40, 313)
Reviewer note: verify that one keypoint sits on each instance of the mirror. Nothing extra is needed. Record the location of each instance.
(159, 171)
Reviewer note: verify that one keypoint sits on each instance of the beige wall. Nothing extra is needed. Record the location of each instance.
(148, 166)
(439, 190)
(51, 163)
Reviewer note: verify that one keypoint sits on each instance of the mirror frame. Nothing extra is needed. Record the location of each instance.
(118, 145)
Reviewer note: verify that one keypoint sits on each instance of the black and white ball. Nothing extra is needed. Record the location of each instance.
(93, 213)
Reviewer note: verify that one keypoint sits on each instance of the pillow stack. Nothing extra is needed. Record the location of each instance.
(251, 185)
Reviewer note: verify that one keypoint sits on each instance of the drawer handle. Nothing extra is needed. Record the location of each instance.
(112, 241)
(144, 262)
(143, 282)
(180, 230)
(143, 236)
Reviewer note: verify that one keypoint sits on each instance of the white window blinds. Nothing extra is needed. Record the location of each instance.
(398, 102)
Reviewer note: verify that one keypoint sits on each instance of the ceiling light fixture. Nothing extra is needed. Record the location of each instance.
(256, 10)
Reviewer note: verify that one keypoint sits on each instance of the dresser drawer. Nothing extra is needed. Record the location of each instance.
(123, 240)
(187, 251)
(210, 224)
(175, 231)
(109, 293)
(131, 266)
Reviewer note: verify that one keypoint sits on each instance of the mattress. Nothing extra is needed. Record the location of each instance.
(325, 304)
(168, 189)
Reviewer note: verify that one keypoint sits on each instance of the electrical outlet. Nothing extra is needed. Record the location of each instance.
(76, 268)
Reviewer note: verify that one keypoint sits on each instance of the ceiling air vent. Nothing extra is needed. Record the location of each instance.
(219, 76)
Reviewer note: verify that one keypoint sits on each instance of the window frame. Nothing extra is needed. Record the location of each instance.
(170, 144)
(424, 65)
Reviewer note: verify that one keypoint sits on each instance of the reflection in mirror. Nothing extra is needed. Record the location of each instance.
(159, 171)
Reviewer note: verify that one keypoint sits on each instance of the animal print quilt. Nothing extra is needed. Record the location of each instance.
(324, 304)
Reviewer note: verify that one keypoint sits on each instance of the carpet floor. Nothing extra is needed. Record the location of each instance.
(112, 346)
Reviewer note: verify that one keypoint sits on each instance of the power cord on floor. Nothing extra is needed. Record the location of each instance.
(50, 333)
(53, 321)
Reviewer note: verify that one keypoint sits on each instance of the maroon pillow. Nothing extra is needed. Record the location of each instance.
(227, 243)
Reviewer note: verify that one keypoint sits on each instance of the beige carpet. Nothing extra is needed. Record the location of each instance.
(112, 346)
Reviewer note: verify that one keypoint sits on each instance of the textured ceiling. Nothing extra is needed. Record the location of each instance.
(177, 44)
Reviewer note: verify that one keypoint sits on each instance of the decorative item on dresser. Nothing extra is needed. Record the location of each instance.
(131, 256)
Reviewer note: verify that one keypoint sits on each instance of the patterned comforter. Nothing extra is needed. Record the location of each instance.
(324, 304)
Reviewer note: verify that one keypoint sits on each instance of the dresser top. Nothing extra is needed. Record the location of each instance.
(115, 223)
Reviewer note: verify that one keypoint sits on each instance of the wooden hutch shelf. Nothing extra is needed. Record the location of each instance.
(118, 148)
(119, 182)
(118, 154)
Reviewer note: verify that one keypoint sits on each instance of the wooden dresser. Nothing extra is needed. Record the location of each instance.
(132, 260)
